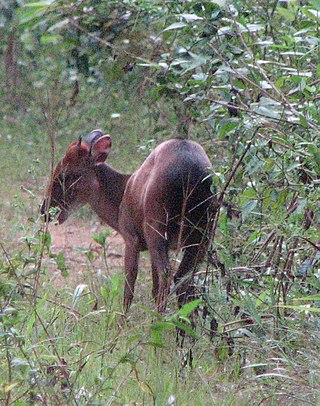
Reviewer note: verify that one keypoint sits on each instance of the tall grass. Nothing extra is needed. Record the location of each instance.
(70, 344)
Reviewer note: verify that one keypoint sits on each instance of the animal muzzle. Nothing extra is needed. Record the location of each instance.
(50, 212)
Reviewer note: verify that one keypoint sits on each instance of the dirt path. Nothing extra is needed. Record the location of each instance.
(85, 258)
(82, 254)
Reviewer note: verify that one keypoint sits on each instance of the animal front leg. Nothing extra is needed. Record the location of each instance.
(131, 271)
(156, 235)
(155, 282)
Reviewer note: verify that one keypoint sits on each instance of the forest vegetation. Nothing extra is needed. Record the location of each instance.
(243, 79)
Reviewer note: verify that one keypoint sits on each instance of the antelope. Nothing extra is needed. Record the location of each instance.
(165, 204)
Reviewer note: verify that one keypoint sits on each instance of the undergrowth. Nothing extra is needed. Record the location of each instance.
(72, 345)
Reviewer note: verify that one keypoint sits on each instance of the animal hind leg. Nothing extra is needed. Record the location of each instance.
(158, 246)
(161, 273)
(194, 252)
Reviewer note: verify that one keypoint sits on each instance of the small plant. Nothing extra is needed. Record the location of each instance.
(101, 239)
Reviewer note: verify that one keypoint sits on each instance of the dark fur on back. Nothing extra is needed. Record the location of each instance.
(188, 197)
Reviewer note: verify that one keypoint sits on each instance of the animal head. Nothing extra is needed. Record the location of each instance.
(74, 181)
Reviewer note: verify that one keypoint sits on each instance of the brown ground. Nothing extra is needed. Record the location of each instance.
(74, 240)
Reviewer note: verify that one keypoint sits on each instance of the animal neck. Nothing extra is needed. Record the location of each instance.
(106, 202)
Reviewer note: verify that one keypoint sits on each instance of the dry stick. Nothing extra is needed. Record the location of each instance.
(69, 309)
(107, 43)
(48, 116)
(8, 358)
(276, 142)
(246, 319)
(8, 259)
(39, 263)
(272, 252)
(249, 111)
(287, 270)
(262, 91)
(239, 74)
(314, 83)
(278, 257)
(284, 100)
(264, 246)
(5, 303)
(209, 389)
(316, 245)
(112, 46)
(56, 353)
(121, 383)
(265, 76)
(221, 197)
(37, 381)
(48, 113)
(262, 72)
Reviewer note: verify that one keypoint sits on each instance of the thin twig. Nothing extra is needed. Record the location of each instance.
(107, 43)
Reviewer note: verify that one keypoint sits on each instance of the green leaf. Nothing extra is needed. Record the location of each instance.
(151, 312)
(9, 387)
(40, 4)
(315, 153)
(89, 255)
(311, 297)
(114, 285)
(226, 126)
(157, 329)
(60, 260)
(20, 363)
(303, 121)
(188, 308)
(248, 208)
(269, 164)
(175, 26)
(302, 308)
(280, 82)
(45, 238)
(185, 327)
(193, 61)
(190, 17)
(78, 292)
(255, 236)
(104, 294)
(312, 14)
(101, 238)
(50, 38)
(316, 4)
(287, 13)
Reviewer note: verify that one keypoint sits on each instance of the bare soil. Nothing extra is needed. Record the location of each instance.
(86, 259)
(82, 254)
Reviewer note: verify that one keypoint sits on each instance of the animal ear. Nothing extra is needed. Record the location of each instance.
(101, 148)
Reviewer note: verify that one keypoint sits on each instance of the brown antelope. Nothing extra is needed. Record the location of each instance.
(165, 204)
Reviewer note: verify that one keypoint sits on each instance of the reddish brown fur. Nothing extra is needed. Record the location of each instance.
(166, 203)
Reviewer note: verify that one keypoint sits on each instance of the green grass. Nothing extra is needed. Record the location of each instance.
(68, 343)
(71, 345)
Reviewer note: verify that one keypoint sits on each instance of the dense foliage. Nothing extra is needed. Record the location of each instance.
(244, 80)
